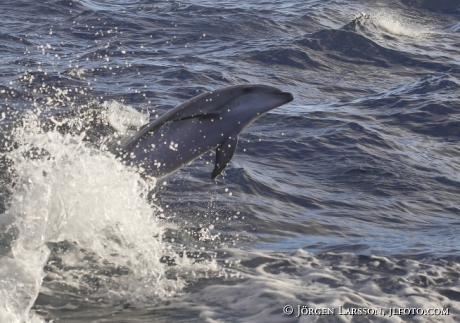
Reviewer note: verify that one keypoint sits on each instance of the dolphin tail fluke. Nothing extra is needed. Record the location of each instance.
(224, 154)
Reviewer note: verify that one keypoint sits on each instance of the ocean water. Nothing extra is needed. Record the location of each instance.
(344, 200)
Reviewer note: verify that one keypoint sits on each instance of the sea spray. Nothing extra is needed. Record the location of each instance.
(66, 191)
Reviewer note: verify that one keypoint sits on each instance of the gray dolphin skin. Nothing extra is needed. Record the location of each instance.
(208, 121)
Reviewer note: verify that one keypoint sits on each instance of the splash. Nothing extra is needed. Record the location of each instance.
(123, 117)
(68, 192)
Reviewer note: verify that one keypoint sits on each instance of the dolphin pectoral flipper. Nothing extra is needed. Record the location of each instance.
(224, 154)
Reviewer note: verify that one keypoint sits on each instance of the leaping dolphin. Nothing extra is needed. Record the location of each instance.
(207, 121)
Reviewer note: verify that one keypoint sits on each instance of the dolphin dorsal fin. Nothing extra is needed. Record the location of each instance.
(224, 154)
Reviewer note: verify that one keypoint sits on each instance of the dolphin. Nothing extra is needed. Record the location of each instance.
(212, 120)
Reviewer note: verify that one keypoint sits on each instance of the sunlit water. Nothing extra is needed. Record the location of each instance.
(345, 198)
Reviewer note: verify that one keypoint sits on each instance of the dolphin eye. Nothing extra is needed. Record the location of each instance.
(247, 89)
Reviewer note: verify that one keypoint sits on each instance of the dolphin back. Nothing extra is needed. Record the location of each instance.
(198, 106)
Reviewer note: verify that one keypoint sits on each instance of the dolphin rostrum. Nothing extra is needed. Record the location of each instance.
(207, 121)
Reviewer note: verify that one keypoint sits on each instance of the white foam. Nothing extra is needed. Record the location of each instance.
(402, 26)
(394, 23)
(88, 198)
(77, 72)
(273, 280)
(122, 117)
